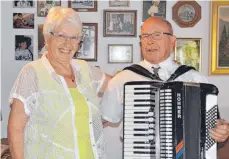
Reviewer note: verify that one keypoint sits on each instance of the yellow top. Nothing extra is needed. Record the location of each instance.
(82, 124)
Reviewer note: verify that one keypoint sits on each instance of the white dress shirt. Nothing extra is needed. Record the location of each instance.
(112, 102)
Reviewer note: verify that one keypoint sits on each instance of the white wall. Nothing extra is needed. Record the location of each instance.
(10, 67)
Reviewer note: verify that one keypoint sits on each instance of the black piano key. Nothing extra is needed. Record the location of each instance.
(143, 122)
(140, 152)
(141, 93)
(144, 105)
(144, 117)
(140, 112)
(141, 142)
(144, 147)
(143, 100)
(144, 134)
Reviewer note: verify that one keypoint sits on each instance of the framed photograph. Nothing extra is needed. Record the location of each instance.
(188, 52)
(120, 53)
(43, 6)
(186, 13)
(88, 49)
(119, 23)
(220, 38)
(83, 5)
(23, 4)
(153, 8)
(24, 47)
(23, 20)
(41, 41)
(118, 3)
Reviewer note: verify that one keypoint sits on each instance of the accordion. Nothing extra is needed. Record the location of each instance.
(169, 120)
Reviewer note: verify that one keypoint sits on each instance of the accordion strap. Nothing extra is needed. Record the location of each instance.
(180, 71)
(142, 71)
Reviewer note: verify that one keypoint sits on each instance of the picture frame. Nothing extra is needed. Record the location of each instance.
(41, 40)
(23, 4)
(119, 23)
(24, 48)
(117, 3)
(88, 49)
(219, 57)
(153, 8)
(83, 6)
(43, 6)
(23, 20)
(120, 53)
(186, 13)
(188, 51)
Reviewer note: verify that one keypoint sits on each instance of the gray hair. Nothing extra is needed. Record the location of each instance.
(57, 15)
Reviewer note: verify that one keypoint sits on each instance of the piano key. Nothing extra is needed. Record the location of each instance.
(132, 127)
(139, 137)
(138, 125)
(136, 140)
(128, 153)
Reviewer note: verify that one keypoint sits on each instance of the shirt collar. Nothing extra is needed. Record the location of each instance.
(49, 67)
(164, 64)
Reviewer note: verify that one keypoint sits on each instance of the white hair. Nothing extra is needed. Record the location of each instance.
(57, 15)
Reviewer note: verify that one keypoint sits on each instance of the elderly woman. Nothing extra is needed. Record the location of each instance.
(54, 103)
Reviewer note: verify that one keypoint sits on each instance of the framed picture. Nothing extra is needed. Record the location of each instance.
(220, 38)
(88, 49)
(118, 3)
(119, 23)
(188, 52)
(83, 5)
(23, 20)
(186, 13)
(43, 6)
(41, 41)
(120, 53)
(23, 4)
(24, 47)
(153, 8)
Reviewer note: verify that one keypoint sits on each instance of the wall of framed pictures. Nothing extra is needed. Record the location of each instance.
(110, 26)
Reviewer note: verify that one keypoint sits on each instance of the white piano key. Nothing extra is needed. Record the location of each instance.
(150, 137)
(136, 132)
(137, 86)
(137, 108)
(137, 157)
(137, 125)
(132, 111)
(139, 150)
(132, 145)
(139, 102)
(127, 153)
(132, 120)
(132, 140)
(132, 127)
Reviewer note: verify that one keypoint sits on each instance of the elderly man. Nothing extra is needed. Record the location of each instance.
(157, 43)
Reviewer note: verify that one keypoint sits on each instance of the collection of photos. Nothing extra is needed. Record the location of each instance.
(123, 23)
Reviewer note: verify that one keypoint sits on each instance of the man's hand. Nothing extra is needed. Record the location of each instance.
(221, 132)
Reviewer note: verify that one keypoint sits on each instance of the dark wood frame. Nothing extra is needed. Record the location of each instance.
(177, 19)
(119, 11)
(84, 9)
(96, 41)
(131, 45)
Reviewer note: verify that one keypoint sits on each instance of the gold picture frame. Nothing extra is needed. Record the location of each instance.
(219, 58)
(188, 51)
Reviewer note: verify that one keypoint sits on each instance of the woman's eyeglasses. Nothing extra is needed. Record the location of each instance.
(63, 38)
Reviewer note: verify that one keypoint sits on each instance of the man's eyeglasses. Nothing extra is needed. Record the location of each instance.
(154, 35)
(63, 38)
